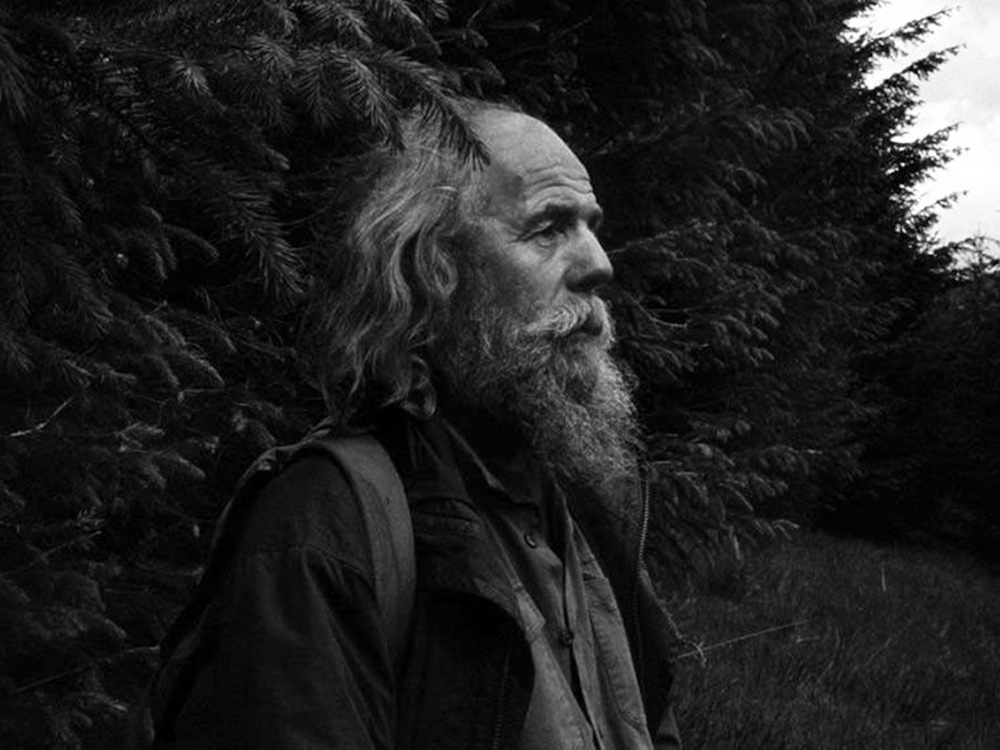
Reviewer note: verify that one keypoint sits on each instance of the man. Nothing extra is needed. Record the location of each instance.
(461, 328)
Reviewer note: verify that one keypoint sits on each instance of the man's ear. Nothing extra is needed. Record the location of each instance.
(423, 400)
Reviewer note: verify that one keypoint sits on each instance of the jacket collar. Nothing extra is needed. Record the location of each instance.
(446, 486)
(436, 463)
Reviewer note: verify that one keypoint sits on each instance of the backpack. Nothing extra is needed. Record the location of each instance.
(378, 489)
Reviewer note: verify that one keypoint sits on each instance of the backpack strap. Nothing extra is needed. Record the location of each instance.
(386, 514)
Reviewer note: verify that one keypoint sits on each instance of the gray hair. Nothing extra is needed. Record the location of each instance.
(386, 292)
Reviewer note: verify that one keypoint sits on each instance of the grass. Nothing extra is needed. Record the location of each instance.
(869, 647)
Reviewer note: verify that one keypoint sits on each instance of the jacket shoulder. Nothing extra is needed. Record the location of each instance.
(308, 504)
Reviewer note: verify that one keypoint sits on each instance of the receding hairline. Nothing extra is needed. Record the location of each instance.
(509, 137)
(500, 118)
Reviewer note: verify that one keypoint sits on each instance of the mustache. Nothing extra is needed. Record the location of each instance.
(588, 315)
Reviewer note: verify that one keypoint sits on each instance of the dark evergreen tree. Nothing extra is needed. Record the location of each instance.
(934, 474)
(150, 280)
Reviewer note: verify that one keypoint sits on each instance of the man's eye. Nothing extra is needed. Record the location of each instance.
(550, 231)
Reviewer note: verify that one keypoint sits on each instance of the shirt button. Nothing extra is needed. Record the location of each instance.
(530, 540)
(566, 637)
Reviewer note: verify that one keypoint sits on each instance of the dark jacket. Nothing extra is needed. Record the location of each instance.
(293, 653)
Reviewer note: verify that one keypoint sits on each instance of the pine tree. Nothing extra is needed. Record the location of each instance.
(934, 474)
(151, 279)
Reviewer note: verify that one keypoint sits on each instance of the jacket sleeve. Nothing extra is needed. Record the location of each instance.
(662, 646)
(666, 736)
(299, 657)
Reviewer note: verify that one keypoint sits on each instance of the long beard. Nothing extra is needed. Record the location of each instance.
(550, 377)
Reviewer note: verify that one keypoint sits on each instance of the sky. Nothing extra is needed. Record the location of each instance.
(964, 91)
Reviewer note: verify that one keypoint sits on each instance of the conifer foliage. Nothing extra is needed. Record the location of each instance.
(933, 466)
(149, 288)
(165, 171)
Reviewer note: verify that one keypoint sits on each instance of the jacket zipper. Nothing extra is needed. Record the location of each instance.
(640, 556)
(644, 528)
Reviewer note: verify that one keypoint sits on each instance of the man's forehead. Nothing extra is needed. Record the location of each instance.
(528, 160)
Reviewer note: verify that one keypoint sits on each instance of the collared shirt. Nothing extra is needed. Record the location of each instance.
(585, 694)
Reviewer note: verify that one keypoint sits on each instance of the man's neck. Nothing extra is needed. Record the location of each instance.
(500, 445)
(492, 438)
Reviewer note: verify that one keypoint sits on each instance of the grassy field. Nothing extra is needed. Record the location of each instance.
(869, 647)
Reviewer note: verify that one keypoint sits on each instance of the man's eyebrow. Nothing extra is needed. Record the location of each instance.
(564, 213)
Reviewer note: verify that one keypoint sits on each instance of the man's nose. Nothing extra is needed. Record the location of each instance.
(590, 267)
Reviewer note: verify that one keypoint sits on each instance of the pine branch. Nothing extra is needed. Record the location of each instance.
(362, 90)
(17, 98)
(41, 425)
(189, 77)
(192, 239)
(44, 555)
(326, 19)
(420, 85)
(15, 357)
(395, 20)
(15, 305)
(74, 288)
(148, 651)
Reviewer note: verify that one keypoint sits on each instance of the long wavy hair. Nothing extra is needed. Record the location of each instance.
(387, 283)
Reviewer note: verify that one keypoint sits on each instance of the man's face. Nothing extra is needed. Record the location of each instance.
(528, 340)
(536, 232)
